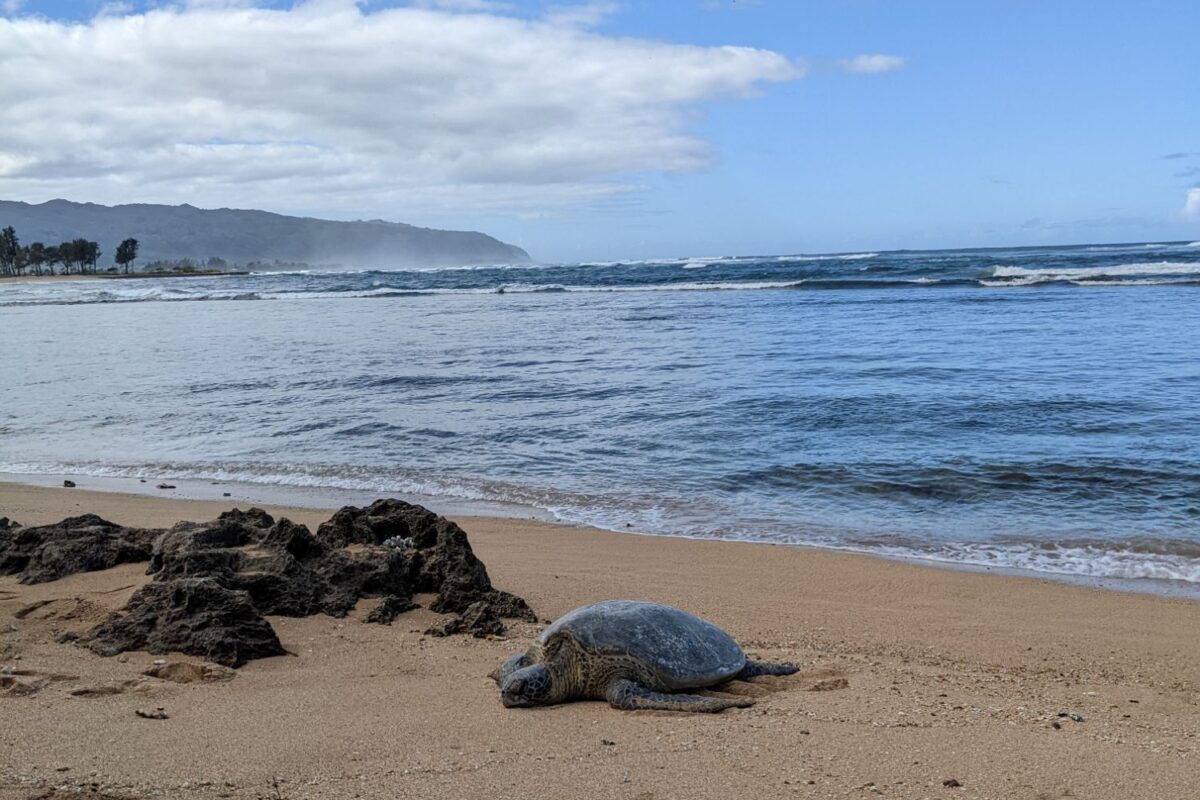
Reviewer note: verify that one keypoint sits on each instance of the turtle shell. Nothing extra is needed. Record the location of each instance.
(681, 649)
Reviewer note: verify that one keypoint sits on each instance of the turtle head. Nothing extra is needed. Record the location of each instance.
(511, 665)
(525, 686)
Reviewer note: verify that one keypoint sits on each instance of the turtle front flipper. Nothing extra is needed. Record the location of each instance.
(755, 668)
(629, 696)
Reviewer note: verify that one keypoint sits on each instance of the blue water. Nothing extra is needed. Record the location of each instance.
(1035, 408)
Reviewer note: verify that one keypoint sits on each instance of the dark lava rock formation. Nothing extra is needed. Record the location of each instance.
(77, 544)
(197, 616)
(434, 548)
(479, 620)
(214, 582)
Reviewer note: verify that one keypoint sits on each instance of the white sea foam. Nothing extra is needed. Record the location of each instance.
(1083, 562)
(691, 287)
(1020, 276)
(1015, 282)
(841, 257)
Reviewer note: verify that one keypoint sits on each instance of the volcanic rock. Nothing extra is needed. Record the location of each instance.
(478, 620)
(295, 539)
(440, 551)
(77, 544)
(392, 606)
(195, 616)
(215, 582)
(231, 529)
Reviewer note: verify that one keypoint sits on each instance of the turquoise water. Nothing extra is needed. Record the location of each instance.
(1030, 408)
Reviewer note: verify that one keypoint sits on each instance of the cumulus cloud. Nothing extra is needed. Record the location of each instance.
(1191, 206)
(11, 6)
(872, 64)
(326, 105)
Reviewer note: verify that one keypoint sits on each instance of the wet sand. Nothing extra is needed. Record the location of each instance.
(911, 676)
(41, 278)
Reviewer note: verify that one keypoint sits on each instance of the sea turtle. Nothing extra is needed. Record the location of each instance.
(635, 655)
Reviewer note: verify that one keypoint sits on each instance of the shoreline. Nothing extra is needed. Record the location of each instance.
(910, 676)
(324, 497)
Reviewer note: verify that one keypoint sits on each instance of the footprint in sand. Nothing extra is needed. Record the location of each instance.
(23, 682)
(13, 686)
(109, 689)
(68, 608)
(190, 672)
(172, 671)
(826, 680)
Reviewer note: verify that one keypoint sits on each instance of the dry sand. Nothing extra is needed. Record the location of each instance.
(910, 676)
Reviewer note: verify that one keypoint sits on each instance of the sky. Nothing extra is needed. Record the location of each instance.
(623, 129)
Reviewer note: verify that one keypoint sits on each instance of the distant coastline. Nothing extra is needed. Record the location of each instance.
(120, 275)
(243, 238)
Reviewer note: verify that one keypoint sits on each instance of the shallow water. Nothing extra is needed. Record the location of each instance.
(1033, 408)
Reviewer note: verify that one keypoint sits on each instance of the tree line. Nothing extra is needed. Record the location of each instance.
(77, 256)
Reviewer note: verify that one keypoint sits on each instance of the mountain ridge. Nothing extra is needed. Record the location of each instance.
(243, 236)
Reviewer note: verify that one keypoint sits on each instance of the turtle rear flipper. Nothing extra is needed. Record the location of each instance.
(629, 696)
(755, 668)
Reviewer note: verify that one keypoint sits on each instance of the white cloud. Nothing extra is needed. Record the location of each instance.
(1191, 206)
(872, 64)
(464, 5)
(11, 6)
(326, 106)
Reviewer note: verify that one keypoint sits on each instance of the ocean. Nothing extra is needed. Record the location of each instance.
(1027, 408)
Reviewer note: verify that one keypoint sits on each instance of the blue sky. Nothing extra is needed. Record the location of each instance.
(1002, 123)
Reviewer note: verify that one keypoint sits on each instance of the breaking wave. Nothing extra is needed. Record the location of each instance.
(1151, 272)
(1091, 266)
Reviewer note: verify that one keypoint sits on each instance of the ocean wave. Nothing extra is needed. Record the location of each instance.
(383, 292)
(1026, 276)
(1108, 561)
(304, 477)
(847, 271)
(834, 257)
(152, 296)
(1018, 282)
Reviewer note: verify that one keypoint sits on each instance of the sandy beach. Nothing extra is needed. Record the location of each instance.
(911, 677)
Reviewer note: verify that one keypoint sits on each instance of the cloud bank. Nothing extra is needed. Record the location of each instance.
(325, 105)
(872, 64)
